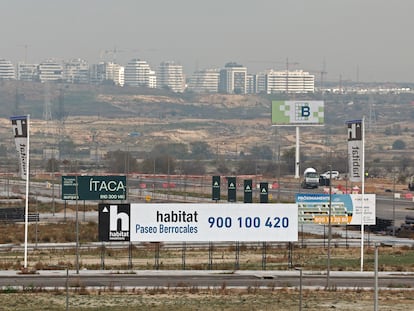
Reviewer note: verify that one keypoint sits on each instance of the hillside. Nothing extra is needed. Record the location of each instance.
(111, 118)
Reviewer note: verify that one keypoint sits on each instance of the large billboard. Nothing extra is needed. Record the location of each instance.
(345, 208)
(297, 112)
(94, 188)
(198, 222)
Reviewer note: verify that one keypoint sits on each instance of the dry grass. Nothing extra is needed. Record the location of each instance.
(206, 299)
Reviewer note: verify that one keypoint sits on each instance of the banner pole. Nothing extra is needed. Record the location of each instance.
(26, 212)
(297, 153)
(363, 193)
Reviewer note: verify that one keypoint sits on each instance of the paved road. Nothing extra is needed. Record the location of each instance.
(243, 279)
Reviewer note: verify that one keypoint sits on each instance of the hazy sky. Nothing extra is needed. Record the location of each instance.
(365, 40)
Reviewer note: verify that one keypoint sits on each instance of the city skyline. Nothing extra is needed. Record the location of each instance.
(367, 41)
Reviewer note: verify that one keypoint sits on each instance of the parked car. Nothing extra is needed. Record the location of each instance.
(327, 175)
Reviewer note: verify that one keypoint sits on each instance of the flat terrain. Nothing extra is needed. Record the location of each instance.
(211, 300)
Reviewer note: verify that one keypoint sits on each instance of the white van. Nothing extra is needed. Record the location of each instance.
(327, 175)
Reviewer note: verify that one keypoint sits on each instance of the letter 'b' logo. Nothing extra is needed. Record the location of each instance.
(305, 111)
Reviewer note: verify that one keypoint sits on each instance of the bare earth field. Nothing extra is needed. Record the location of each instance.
(208, 299)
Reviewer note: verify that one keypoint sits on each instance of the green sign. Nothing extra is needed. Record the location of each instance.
(94, 188)
(248, 191)
(231, 189)
(216, 188)
(264, 192)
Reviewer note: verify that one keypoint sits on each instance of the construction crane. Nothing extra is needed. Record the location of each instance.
(112, 52)
(273, 62)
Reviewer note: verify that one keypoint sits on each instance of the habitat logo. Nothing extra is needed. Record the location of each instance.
(114, 222)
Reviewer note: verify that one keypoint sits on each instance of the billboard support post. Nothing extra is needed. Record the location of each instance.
(297, 113)
(297, 155)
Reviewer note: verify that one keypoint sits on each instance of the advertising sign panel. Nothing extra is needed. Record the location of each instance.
(248, 191)
(231, 189)
(94, 188)
(20, 130)
(216, 188)
(355, 149)
(298, 112)
(199, 222)
(264, 192)
(345, 210)
(114, 222)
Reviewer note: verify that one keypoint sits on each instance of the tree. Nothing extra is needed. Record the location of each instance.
(247, 166)
(121, 162)
(200, 150)
(398, 145)
(262, 152)
(289, 157)
(177, 150)
(159, 165)
(66, 147)
(52, 165)
(193, 167)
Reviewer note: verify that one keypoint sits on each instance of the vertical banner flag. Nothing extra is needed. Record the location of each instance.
(19, 125)
(355, 150)
(231, 189)
(248, 194)
(264, 192)
(216, 188)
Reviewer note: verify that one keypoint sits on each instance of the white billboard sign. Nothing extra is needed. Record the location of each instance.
(346, 209)
(213, 222)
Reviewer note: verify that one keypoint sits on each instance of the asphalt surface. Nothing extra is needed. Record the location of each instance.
(173, 278)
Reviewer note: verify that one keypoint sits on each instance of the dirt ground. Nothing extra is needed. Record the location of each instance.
(209, 299)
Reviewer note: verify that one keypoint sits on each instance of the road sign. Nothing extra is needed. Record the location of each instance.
(94, 188)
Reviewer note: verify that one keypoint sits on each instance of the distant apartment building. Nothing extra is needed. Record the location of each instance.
(50, 70)
(233, 79)
(297, 81)
(204, 81)
(76, 71)
(115, 72)
(138, 73)
(27, 72)
(106, 72)
(7, 71)
(170, 75)
(260, 83)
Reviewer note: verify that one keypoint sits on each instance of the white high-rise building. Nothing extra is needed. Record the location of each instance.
(204, 81)
(27, 72)
(115, 72)
(76, 71)
(170, 75)
(233, 79)
(106, 72)
(50, 70)
(7, 71)
(297, 81)
(138, 73)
